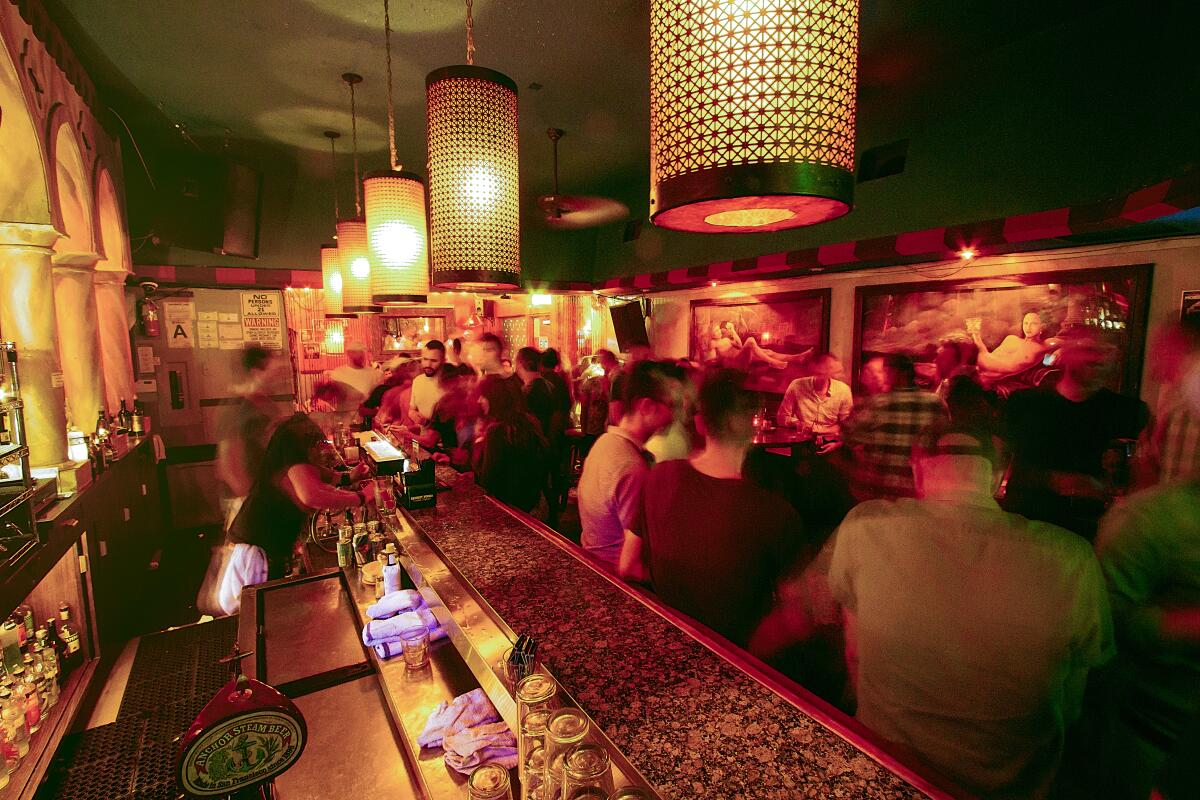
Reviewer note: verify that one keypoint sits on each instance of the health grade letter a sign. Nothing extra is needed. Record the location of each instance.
(262, 319)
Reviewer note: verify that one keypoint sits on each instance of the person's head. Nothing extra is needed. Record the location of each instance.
(650, 393)
(608, 362)
(551, 360)
(1032, 326)
(1173, 348)
(969, 403)
(1086, 363)
(506, 367)
(727, 408)
(874, 377)
(260, 366)
(528, 364)
(455, 350)
(329, 396)
(900, 370)
(489, 352)
(640, 352)
(433, 356)
(497, 400)
(304, 431)
(356, 354)
(953, 460)
(825, 367)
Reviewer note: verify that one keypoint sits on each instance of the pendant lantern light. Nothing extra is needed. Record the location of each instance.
(752, 107)
(397, 225)
(331, 269)
(474, 202)
(353, 254)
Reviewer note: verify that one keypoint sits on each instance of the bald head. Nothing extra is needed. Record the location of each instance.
(954, 461)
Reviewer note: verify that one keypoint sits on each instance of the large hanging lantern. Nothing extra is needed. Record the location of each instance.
(397, 231)
(331, 279)
(474, 202)
(355, 259)
(751, 113)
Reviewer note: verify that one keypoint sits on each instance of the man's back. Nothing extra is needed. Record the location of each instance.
(881, 434)
(610, 489)
(970, 622)
(716, 547)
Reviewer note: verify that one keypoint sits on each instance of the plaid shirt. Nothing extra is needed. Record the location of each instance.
(881, 433)
(1177, 441)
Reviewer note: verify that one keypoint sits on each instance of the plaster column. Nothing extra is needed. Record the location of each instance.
(27, 318)
(79, 337)
(116, 357)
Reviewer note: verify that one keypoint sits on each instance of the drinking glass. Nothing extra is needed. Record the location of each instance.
(532, 771)
(489, 782)
(630, 793)
(566, 728)
(536, 691)
(586, 766)
(414, 643)
(531, 738)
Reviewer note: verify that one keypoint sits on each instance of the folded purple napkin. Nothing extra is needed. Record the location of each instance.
(466, 710)
(385, 630)
(396, 603)
(469, 749)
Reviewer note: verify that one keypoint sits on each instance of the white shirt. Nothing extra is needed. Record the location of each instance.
(810, 410)
(425, 394)
(361, 380)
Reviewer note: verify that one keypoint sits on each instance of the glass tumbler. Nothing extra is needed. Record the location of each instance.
(533, 773)
(566, 728)
(534, 692)
(489, 782)
(630, 793)
(586, 766)
(414, 644)
(532, 737)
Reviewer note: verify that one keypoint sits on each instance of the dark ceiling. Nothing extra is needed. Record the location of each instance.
(264, 76)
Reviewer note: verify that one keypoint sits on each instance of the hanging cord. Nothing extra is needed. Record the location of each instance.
(333, 136)
(351, 80)
(387, 48)
(470, 34)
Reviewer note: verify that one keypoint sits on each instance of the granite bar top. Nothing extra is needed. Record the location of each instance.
(693, 723)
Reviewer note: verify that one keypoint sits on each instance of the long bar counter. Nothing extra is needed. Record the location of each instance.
(695, 716)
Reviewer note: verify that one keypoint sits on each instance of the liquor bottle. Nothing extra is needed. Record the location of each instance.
(33, 694)
(12, 717)
(138, 423)
(70, 637)
(101, 424)
(55, 643)
(26, 612)
(20, 692)
(123, 417)
(5, 433)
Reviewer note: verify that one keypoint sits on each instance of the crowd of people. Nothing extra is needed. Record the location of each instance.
(973, 573)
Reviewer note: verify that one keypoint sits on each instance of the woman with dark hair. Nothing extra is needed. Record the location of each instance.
(511, 457)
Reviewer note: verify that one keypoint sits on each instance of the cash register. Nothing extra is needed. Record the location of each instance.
(410, 464)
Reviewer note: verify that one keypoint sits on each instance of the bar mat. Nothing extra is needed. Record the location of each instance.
(174, 674)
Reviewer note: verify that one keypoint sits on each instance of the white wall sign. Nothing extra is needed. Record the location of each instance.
(262, 319)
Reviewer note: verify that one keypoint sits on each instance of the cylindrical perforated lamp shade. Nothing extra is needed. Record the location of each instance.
(397, 233)
(331, 279)
(474, 201)
(333, 342)
(355, 260)
(752, 107)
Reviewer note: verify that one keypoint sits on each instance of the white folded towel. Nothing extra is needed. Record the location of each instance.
(396, 603)
(471, 748)
(383, 630)
(465, 711)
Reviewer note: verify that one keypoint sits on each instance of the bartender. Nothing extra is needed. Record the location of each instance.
(291, 484)
(819, 404)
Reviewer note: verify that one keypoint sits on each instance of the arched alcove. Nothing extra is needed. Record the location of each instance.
(23, 192)
(115, 263)
(74, 195)
(114, 241)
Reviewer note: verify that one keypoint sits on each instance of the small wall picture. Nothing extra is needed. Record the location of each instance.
(1010, 328)
(769, 336)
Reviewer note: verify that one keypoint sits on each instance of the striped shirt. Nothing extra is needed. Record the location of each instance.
(881, 433)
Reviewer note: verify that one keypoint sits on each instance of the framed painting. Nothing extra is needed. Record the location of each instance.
(770, 336)
(1010, 327)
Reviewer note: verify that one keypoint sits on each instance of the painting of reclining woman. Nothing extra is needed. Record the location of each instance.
(1007, 332)
(769, 336)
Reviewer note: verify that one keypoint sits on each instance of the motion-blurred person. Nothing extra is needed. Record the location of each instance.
(358, 372)
(712, 543)
(679, 439)
(873, 377)
(1149, 549)
(426, 387)
(560, 421)
(537, 392)
(1174, 444)
(1059, 436)
(451, 428)
(595, 392)
(954, 358)
(389, 402)
(616, 380)
(818, 404)
(454, 352)
(881, 432)
(974, 628)
(511, 457)
(487, 355)
(246, 427)
(610, 487)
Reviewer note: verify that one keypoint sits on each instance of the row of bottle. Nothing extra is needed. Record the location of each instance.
(6, 436)
(60, 637)
(126, 420)
(27, 693)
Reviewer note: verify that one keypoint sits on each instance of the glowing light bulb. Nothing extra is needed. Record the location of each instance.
(480, 186)
(397, 243)
(335, 282)
(360, 268)
(966, 254)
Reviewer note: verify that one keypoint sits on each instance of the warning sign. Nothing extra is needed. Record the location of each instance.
(262, 319)
(180, 324)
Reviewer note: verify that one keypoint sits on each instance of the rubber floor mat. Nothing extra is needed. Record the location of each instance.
(174, 674)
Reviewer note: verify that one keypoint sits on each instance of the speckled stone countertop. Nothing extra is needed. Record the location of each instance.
(694, 724)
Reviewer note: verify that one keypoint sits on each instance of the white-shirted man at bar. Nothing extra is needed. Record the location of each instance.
(819, 403)
(425, 390)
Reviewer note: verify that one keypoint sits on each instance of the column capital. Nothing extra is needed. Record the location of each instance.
(111, 276)
(81, 262)
(27, 234)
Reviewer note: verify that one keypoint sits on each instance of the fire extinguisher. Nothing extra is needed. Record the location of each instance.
(148, 317)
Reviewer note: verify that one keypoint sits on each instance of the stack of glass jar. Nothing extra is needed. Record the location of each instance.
(33, 663)
(555, 761)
